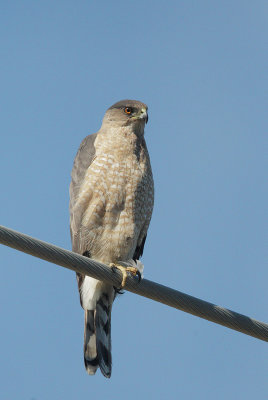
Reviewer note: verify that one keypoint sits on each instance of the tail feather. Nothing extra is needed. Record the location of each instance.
(103, 334)
(90, 350)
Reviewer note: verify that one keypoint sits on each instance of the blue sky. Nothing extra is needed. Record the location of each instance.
(202, 69)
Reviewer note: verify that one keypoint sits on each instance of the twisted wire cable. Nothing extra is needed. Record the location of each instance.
(146, 288)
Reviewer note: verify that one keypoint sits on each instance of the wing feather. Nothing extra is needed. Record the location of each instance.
(84, 157)
(139, 249)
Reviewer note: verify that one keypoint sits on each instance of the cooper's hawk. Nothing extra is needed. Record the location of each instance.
(111, 203)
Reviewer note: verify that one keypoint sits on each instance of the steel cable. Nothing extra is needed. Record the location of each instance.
(146, 288)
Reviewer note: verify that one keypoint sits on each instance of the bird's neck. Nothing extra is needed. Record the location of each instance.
(121, 140)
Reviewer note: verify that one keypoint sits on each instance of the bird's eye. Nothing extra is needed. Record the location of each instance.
(128, 110)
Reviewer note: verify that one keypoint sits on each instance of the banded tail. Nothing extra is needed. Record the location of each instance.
(97, 337)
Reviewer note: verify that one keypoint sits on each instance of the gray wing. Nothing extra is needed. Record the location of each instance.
(139, 249)
(84, 157)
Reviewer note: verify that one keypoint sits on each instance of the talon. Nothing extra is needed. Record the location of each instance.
(139, 275)
(118, 290)
(113, 267)
(124, 270)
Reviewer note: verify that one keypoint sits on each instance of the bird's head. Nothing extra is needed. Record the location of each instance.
(130, 113)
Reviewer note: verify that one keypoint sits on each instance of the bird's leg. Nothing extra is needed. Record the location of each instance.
(124, 270)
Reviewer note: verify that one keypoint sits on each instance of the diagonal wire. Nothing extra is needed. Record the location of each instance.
(146, 288)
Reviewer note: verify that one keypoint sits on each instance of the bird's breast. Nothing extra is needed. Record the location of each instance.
(118, 194)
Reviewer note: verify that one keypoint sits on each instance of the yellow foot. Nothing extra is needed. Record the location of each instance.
(134, 271)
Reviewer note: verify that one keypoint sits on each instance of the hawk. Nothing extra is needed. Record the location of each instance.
(111, 203)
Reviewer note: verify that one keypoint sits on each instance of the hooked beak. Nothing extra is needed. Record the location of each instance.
(144, 115)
